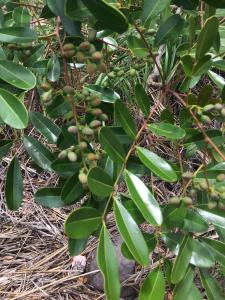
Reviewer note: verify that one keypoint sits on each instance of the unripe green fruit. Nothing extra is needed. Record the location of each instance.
(208, 107)
(214, 195)
(46, 86)
(72, 129)
(223, 112)
(82, 178)
(92, 35)
(47, 96)
(203, 184)
(68, 47)
(187, 200)
(96, 112)
(80, 57)
(218, 106)
(88, 131)
(187, 175)
(62, 154)
(120, 73)
(83, 145)
(111, 75)
(116, 69)
(91, 156)
(72, 156)
(69, 53)
(103, 117)
(96, 56)
(174, 200)
(132, 72)
(102, 67)
(68, 89)
(84, 46)
(220, 177)
(220, 189)
(96, 102)
(91, 68)
(212, 204)
(222, 196)
(221, 205)
(85, 93)
(206, 120)
(95, 124)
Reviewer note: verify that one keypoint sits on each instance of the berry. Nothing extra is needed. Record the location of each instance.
(96, 102)
(46, 86)
(82, 178)
(103, 117)
(220, 177)
(68, 47)
(174, 200)
(96, 112)
(84, 46)
(132, 72)
(69, 53)
(72, 129)
(88, 131)
(203, 184)
(68, 89)
(72, 156)
(102, 67)
(187, 200)
(91, 68)
(96, 56)
(95, 124)
(212, 204)
(218, 106)
(91, 156)
(47, 96)
(80, 57)
(83, 145)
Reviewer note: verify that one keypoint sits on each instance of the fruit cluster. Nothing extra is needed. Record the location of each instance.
(210, 111)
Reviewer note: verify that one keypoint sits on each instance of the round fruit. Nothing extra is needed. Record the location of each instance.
(47, 96)
(82, 178)
(212, 204)
(96, 112)
(220, 177)
(204, 185)
(218, 106)
(174, 200)
(72, 156)
(69, 53)
(187, 200)
(46, 86)
(80, 57)
(102, 67)
(91, 156)
(132, 72)
(103, 117)
(68, 89)
(96, 102)
(96, 56)
(68, 47)
(84, 46)
(95, 124)
(91, 68)
(88, 131)
(72, 129)
(83, 145)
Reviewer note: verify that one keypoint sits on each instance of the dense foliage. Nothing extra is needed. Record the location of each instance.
(115, 83)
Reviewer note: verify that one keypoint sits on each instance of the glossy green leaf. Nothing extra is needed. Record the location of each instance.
(131, 234)
(53, 69)
(214, 216)
(194, 294)
(76, 10)
(111, 145)
(72, 190)
(99, 182)
(49, 197)
(21, 16)
(217, 248)
(108, 16)
(82, 222)
(36, 55)
(142, 99)
(124, 118)
(172, 132)
(58, 108)
(144, 199)
(157, 165)
(152, 9)
(183, 288)
(169, 30)
(108, 264)
(194, 222)
(65, 168)
(219, 64)
(182, 260)
(153, 287)
(207, 37)
(217, 79)
(105, 94)
(216, 3)
(213, 290)
(14, 185)
(17, 75)
(17, 35)
(173, 216)
(45, 126)
(137, 46)
(12, 111)
(5, 146)
(39, 153)
(76, 247)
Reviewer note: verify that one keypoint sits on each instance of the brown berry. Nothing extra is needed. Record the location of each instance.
(68, 47)
(72, 129)
(96, 56)
(80, 57)
(84, 46)
(96, 112)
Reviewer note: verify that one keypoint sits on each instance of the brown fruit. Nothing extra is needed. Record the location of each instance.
(68, 47)
(83, 145)
(91, 68)
(46, 86)
(102, 67)
(91, 156)
(96, 56)
(72, 129)
(84, 46)
(96, 102)
(95, 124)
(69, 53)
(96, 112)
(80, 57)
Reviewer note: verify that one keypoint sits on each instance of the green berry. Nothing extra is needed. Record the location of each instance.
(47, 96)
(72, 156)
(222, 196)
(96, 112)
(203, 184)
(72, 129)
(91, 68)
(103, 117)
(187, 200)
(82, 178)
(88, 131)
(212, 204)
(220, 177)
(132, 72)
(214, 195)
(174, 200)
(95, 124)
(218, 106)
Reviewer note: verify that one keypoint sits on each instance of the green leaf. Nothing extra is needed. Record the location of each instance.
(144, 199)
(17, 35)
(131, 234)
(111, 145)
(12, 111)
(72, 190)
(49, 197)
(21, 16)
(39, 153)
(108, 264)
(219, 64)
(207, 37)
(172, 132)
(213, 290)
(82, 222)
(216, 3)
(105, 94)
(152, 9)
(14, 185)
(194, 294)
(169, 30)
(17, 75)
(108, 16)
(137, 46)
(182, 260)
(53, 69)
(99, 182)
(217, 79)
(58, 108)
(45, 126)
(157, 165)
(214, 216)
(186, 4)
(76, 247)
(173, 216)
(217, 248)
(76, 10)
(124, 118)
(153, 287)
(36, 55)
(142, 99)
(183, 288)
(65, 168)
(193, 222)
(5, 146)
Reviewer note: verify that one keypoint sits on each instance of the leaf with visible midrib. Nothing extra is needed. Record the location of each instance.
(213, 290)
(152, 9)
(14, 185)
(170, 131)
(99, 182)
(108, 264)
(17, 35)
(12, 111)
